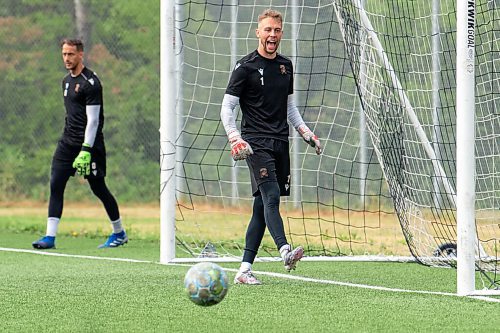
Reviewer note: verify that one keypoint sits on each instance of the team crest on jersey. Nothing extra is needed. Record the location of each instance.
(77, 87)
(91, 81)
(263, 173)
(282, 69)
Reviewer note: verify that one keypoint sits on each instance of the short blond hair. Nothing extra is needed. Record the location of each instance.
(271, 13)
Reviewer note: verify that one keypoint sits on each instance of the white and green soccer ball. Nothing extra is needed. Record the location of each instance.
(206, 284)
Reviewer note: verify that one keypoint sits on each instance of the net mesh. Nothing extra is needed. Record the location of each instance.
(340, 204)
(376, 82)
(412, 84)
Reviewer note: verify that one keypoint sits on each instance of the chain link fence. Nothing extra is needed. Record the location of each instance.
(122, 46)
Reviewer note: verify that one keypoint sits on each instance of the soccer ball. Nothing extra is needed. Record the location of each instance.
(206, 283)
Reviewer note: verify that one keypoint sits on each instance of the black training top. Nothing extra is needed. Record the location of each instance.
(80, 91)
(263, 86)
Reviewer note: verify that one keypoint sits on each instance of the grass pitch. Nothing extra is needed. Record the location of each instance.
(86, 291)
(62, 294)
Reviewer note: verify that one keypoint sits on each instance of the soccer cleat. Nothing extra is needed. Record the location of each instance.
(246, 277)
(115, 240)
(293, 257)
(44, 243)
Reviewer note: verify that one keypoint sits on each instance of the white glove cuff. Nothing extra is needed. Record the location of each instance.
(233, 135)
(305, 131)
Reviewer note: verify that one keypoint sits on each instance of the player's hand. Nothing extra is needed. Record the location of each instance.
(82, 161)
(240, 149)
(310, 138)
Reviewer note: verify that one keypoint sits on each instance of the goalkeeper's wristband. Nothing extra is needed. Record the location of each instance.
(86, 147)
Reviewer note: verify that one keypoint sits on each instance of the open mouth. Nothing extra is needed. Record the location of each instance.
(271, 45)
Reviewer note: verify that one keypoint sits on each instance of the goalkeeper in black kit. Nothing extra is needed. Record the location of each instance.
(262, 84)
(81, 148)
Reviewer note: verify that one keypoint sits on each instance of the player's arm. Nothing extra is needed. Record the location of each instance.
(240, 149)
(92, 112)
(82, 161)
(298, 123)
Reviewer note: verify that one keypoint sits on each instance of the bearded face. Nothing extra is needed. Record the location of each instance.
(269, 33)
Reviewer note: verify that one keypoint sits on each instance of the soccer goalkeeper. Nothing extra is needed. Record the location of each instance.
(262, 84)
(81, 148)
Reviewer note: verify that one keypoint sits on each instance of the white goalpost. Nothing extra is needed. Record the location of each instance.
(168, 133)
(466, 258)
(471, 254)
(406, 76)
(468, 248)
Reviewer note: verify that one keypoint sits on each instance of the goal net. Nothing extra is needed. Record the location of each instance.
(339, 204)
(404, 60)
(377, 85)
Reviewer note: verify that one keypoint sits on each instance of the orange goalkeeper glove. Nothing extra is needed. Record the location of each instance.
(240, 149)
(310, 138)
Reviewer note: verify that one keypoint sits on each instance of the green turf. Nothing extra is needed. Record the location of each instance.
(65, 294)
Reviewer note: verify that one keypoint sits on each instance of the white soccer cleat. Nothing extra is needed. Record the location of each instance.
(246, 277)
(292, 258)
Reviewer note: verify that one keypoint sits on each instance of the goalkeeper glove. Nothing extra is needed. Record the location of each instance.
(310, 138)
(82, 161)
(240, 149)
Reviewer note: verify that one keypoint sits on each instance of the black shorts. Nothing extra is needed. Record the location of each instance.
(65, 154)
(270, 161)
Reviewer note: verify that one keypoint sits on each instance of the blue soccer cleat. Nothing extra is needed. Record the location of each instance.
(44, 243)
(115, 240)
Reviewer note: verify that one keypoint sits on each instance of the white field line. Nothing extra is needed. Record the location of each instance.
(277, 275)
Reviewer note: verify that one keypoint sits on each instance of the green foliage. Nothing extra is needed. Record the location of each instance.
(12, 160)
(123, 50)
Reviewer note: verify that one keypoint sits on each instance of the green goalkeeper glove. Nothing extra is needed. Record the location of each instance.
(82, 161)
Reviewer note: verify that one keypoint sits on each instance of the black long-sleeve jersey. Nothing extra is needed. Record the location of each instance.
(263, 86)
(80, 91)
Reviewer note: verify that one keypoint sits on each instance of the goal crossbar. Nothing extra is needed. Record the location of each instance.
(349, 81)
